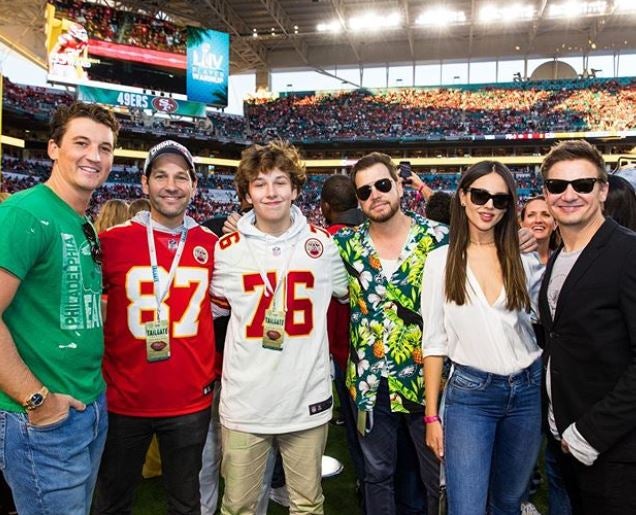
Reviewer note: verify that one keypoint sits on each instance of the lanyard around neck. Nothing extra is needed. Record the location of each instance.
(159, 296)
(272, 291)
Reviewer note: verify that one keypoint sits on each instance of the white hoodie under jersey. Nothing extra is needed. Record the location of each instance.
(270, 391)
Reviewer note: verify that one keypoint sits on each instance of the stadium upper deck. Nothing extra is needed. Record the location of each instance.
(515, 118)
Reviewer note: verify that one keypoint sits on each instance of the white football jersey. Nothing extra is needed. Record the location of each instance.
(265, 390)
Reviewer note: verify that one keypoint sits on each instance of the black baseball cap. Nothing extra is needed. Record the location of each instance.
(169, 147)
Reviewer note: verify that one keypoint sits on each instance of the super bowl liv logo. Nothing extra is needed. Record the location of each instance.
(208, 66)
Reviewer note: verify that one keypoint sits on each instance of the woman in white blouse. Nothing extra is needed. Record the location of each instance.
(476, 303)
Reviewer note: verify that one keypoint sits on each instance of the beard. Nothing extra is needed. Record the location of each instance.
(385, 216)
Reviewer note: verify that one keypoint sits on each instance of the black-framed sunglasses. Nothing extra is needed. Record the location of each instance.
(383, 185)
(480, 197)
(556, 186)
(93, 241)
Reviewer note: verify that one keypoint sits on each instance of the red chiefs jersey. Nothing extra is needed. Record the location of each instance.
(68, 43)
(180, 384)
(338, 318)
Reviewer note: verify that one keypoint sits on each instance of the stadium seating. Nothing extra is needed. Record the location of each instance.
(436, 113)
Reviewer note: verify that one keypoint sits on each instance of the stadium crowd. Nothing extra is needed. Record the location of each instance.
(550, 106)
(124, 27)
(432, 113)
(123, 183)
(39, 102)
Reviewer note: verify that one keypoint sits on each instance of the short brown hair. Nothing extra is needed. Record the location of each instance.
(570, 150)
(264, 158)
(373, 159)
(64, 114)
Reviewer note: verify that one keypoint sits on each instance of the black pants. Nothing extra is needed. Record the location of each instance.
(607, 488)
(181, 440)
(6, 499)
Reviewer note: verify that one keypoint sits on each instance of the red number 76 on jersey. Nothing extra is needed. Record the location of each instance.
(300, 315)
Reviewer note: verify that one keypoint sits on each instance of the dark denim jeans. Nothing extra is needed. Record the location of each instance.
(380, 448)
(558, 498)
(181, 440)
(52, 469)
(492, 427)
(349, 417)
(410, 495)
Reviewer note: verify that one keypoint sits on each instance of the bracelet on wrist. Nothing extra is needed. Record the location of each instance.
(431, 419)
(419, 196)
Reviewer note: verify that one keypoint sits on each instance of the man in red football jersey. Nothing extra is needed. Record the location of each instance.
(159, 338)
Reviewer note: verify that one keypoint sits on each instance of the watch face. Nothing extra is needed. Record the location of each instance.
(36, 400)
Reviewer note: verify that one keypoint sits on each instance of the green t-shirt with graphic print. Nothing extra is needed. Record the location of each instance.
(55, 317)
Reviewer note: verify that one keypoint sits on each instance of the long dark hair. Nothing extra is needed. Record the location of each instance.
(506, 241)
(620, 203)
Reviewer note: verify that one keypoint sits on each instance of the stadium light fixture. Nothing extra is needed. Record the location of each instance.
(573, 9)
(625, 6)
(440, 17)
(331, 26)
(372, 21)
(515, 12)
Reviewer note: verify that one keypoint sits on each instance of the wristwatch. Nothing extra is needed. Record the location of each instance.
(36, 399)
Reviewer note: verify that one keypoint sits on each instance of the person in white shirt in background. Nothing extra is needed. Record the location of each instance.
(476, 302)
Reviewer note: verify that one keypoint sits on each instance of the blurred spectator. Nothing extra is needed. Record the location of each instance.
(621, 202)
(112, 212)
(140, 204)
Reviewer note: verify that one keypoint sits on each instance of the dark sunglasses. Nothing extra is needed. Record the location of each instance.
(480, 197)
(93, 241)
(383, 185)
(556, 186)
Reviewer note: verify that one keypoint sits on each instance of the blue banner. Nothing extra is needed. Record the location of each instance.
(208, 66)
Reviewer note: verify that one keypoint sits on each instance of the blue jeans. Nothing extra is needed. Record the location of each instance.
(492, 427)
(53, 469)
(558, 499)
(380, 449)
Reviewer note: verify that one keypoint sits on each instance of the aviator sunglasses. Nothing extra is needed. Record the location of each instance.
(383, 185)
(556, 186)
(93, 241)
(480, 197)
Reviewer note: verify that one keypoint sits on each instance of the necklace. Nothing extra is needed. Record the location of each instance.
(485, 244)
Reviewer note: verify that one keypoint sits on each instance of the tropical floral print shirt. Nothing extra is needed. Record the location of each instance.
(386, 325)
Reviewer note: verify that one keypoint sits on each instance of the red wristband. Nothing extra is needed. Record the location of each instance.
(432, 419)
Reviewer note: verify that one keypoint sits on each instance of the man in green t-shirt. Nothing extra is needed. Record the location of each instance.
(52, 412)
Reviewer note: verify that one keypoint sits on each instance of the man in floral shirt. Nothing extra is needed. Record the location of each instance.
(385, 258)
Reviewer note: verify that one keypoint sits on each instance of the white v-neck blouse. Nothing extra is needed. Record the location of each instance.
(477, 334)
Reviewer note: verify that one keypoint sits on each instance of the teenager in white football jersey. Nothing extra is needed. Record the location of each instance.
(276, 274)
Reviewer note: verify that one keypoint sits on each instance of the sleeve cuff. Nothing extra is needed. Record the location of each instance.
(579, 446)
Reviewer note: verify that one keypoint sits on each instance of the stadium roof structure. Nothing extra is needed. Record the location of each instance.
(323, 34)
